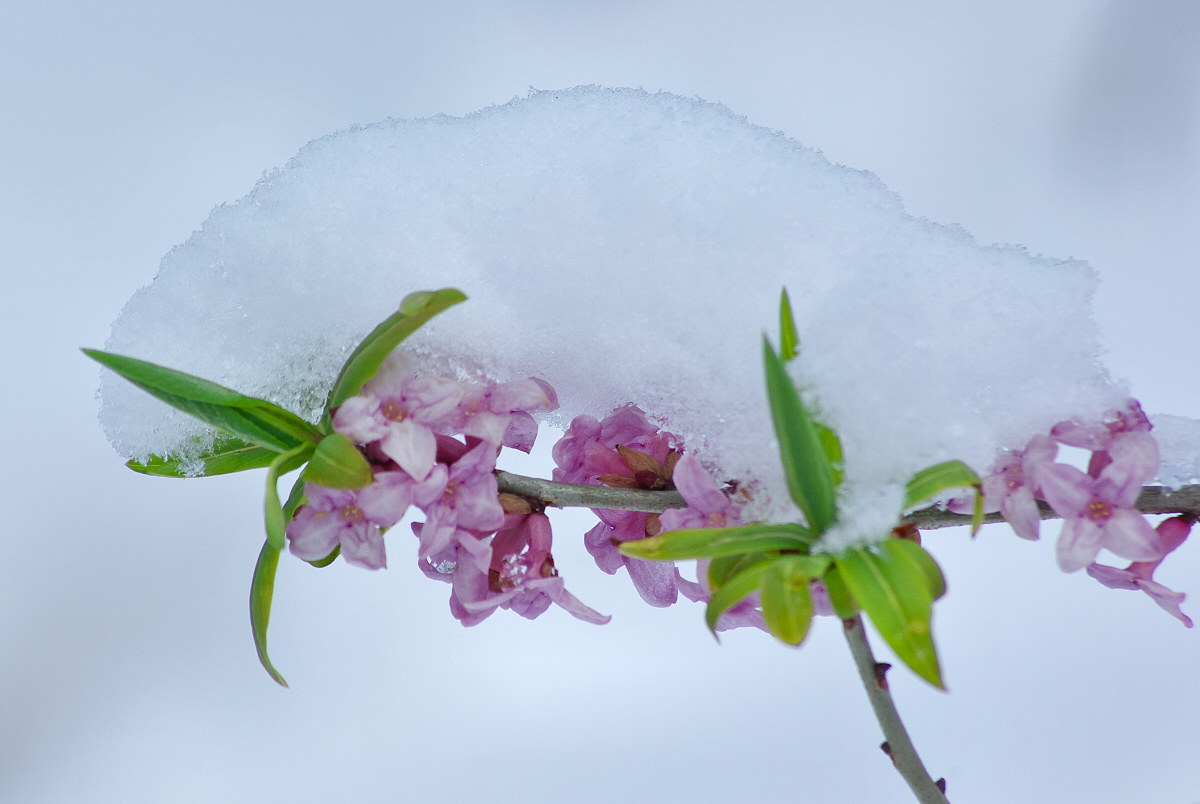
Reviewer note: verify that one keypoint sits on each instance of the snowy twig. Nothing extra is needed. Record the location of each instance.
(898, 746)
(1152, 500)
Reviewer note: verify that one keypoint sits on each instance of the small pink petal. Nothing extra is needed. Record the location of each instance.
(1129, 535)
(1067, 489)
(412, 446)
(1020, 510)
(1078, 544)
(521, 433)
(654, 581)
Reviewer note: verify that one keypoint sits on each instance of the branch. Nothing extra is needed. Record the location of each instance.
(578, 495)
(898, 746)
(1152, 500)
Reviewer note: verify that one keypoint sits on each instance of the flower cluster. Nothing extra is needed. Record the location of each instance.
(405, 424)
(1097, 506)
(625, 450)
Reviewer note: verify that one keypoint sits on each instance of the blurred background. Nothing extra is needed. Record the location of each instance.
(127, 672)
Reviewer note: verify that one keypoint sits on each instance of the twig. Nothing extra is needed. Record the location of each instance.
(577, 495)
(898, 746)
(1152, 500)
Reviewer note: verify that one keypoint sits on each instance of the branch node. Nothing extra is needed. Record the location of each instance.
(881, 669)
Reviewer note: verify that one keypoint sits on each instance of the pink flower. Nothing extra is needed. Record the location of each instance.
(499, 413)
(1098, 436)
(1011, 487)
(464, 495)
(1140, 574)
(707, 505)
(401, 411)
(516, 571)
(1098, 513)
(350, 518)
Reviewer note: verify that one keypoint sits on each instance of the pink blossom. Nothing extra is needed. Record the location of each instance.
(1140, 574)
(516, 571)
(489, 412)
(351, 518)
(1098, 436)
(401, 410)
(707, 505)
(1098, 513)
(464, 495)
(1011, 487)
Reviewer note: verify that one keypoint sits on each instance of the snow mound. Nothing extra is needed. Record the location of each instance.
(627, 247)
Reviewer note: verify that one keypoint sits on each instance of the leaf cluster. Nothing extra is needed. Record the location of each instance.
(253, 433)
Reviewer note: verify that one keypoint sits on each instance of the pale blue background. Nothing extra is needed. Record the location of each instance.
(126, 668)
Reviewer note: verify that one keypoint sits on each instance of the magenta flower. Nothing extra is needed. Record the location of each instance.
(1140, 574)
(1098, 436)
(463, 496)
(1011, 487)
(1098, 513)
(707, 505)
(350, 518)
(401, 411)
(515, 572)
(499, 413)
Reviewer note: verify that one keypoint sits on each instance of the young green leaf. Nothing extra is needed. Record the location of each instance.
(262, 589)
(329, 559)
(708, 542)
(368, 356)
(786, 604)
(788, 341)
(256, 421)
(273, 513)
(808, 470)
(832, 445)
(928, 482)
(722, 568)
(338, 464)
(295, 499)
(227, 454)
(894, 592)
(732, 592)
(935, 581)
(843, 603)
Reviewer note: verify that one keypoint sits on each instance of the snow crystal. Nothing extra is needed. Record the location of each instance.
(627, 247)
(1179, 447)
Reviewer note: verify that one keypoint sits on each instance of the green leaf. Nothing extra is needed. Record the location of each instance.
(338, 464)
(329, 559)
(808, 470)
(928, 482)
(788, 341)
(893, 590)
(843, 603)
(786, 604)
(708, 542)
(262, 588)
(256, 421)
(276, 520)
(227, 454)
(732, 592)
(295, 499)
(832, 445)
(365, 360)
(721, 569)
(935, 581)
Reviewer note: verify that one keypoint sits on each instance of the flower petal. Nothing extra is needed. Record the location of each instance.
(411, 445)
(1129, 535)
(1020, 510)
(654, 581)
(1078, 543)
(362, 546)
(1167, 599)
(1067, 489)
